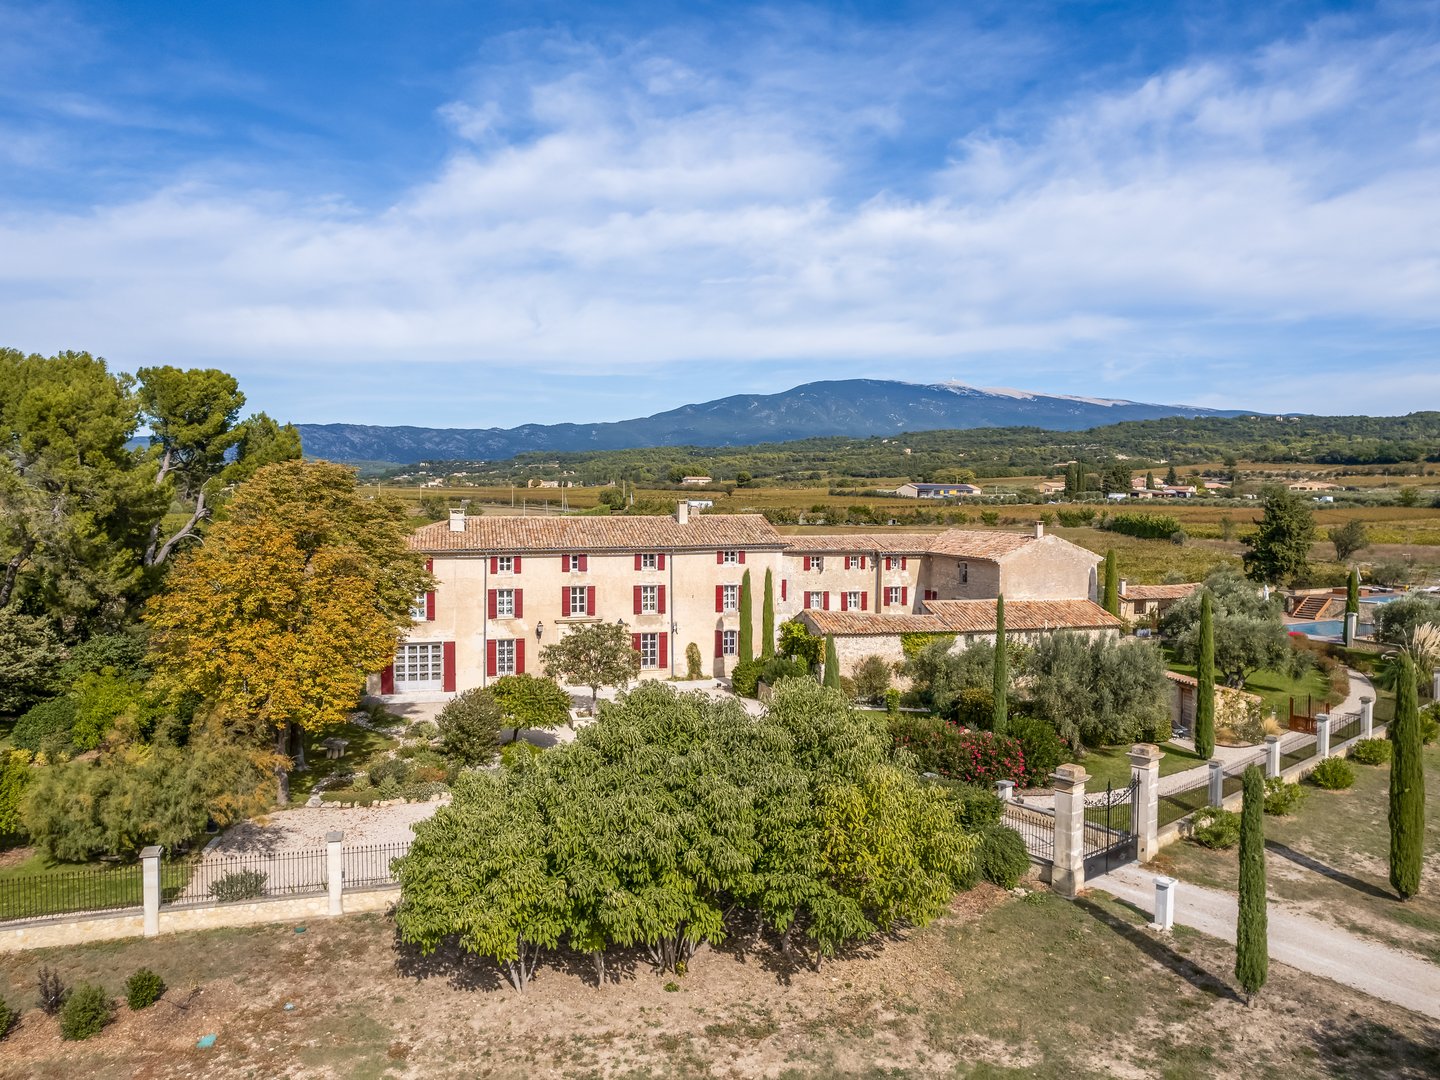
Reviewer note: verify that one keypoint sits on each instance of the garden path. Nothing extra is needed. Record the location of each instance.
(1298, 940)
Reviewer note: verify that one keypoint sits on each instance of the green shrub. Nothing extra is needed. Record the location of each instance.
(892, 701)
(239, 885)
(423, 790)
(872, 678)
(55, 717)
(365, 796)
(388, 788)
(470, 727)
(1073, 519)
(1213, 827)
(86, 1012)
(1144, 526)
(976, 808)
(396, 770)
(1282, 798)
(1371, 751)
(1002, 856)
(422, 729)
(1044, 752)
(143, 989)
(1430, 724)
(974, 757)
(693, 669)
(53, 993)
(8, 1016)
(513, 753)
(745, 677)
(1333, 774)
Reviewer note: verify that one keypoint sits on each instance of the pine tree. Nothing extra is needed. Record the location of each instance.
(1352, 593)
(1252, 952)
(1407, 785)
(1112, 584)
(747, 620)
(767, 619)
(1171, 478)
(1149, 481)
(1205, 679)
(1002, 671)
(832, 663)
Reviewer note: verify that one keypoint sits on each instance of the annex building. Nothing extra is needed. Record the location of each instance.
(507, 585)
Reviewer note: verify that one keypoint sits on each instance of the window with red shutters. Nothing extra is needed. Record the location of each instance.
(635, 642)
(590, 600)
(448, 662)
(516, 565)
(864, 601)
(494, 564)
(660, 595)
(430, 606)
(584, 563)
(904, 562)
(905, 595)
(783, 590)
(742, 557)
(637, 560)
(825, 598)
(720, 598)
(664, 640)
(490, 658)
(719, 558)
(807, 562)
(492, 606)
(660, 562)
(519, 656)
(719, 643)
(844, 601)
(564, 601)
(807, 600)
(637, 599)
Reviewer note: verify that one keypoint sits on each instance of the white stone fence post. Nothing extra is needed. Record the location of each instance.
(1067, 872)
(1145, 770)
(1006, 790)
(1272, 756)
(335, 870)
(1322, 736)
(1164, 903)
(1217, 782)
(150, 888)
(1367, 717)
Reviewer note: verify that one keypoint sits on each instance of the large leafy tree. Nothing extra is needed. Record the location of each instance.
(1279, 549)
(596, 655)
(531, 701)
(1249, 632)
(290, 602)
(1252, 941)
(1096, 692)
(1407, 785)
(30, 654)
(1348, 539)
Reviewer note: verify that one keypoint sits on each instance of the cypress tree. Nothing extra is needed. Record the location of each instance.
(832, 663)
(1205, 677)
(1407, 786)
(1112, 584)
(747, 620)
(1252, 952)
(1002, 671)
(1352, 593)
(767, 619)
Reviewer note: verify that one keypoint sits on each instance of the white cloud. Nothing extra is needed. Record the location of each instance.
(631, 209)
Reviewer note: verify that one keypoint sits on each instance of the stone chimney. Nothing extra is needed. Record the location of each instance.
(1124, 585)
(457, 520)
(682, 512)
(1039, 530)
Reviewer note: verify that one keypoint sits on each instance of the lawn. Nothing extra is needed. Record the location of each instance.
(1000, 986)
(1275, 687)
(365, 747)
(1331, 858)
(1111, 764)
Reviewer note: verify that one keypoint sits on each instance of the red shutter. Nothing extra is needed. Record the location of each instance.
(492, 605)
(719, 597)
(825, 601)
(864, 601)
(387, 678)
(519, 656)
(635, 642)
(663, 640)
(490, 658)
(783, 590)
(660, 561)
(719, 558)
(637, 599)
(494, 564)
(742, 557)
(904, 562)
(590, 600)
(807, 599)
(807, 562)
(905, 595)
(719, 643)
(519, 603)
(584, 563)
(637, 560)
(863, 559)
(564, 600)
(516, 564)
(661, 598)
(844, 601)
(430, 606)
(887, 562)
(447, 653)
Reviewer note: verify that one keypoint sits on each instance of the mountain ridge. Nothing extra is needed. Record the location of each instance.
(858, 407)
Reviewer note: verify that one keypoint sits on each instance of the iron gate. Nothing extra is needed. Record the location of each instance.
(1109, 824)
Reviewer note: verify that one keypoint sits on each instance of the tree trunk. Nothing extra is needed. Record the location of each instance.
(157, 553)
(282, 772)
(12, 571)
(297, 742)
(599, 957)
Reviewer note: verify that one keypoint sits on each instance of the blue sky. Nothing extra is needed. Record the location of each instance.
(466, 215)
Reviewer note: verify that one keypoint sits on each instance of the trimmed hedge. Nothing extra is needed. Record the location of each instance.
(1215, 828)
(53, 717)
(1003, 858)
(1333, 774)
(1371, 751)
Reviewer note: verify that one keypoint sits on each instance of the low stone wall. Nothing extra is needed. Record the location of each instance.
(85, 929)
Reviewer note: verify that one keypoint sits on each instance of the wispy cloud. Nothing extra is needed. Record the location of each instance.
(818, 192)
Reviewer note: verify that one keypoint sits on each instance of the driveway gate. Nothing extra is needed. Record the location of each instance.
(1109, 825)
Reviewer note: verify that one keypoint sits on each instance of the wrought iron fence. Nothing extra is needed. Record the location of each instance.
(230, 878)
(43, 896)
(1180, 804)
(1345, 732)
(1295, 757)
(372, 866)
(1035, 826)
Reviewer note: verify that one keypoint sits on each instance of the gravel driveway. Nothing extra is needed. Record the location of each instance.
(304, 828)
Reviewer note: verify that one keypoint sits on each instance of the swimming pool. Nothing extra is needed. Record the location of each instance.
(1328, 628)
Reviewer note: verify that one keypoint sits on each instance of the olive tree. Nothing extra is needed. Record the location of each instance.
(600, 654)
(1248, 630)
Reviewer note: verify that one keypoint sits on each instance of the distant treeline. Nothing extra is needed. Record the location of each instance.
(992, 452)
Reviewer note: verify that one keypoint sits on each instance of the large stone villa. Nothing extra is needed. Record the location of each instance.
(509, 585)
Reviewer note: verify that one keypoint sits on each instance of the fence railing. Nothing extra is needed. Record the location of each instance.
(230, 878)
(371, 866)
(1036, 827)
(44, 896)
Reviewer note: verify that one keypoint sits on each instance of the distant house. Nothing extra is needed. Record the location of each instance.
(1052, 487)
(1314, 485)
(696, 480)
(700, 504)
(1144, 601)
(935, 491)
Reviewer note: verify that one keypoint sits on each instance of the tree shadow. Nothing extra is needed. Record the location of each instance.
(1157, 950)
(1299, 858)
(1364, 1048)
(461, 970)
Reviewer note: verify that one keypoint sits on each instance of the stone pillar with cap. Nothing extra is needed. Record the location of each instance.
(335, 870)
(1217, 782)
(1164, 903)
(1005, 789)
(1272, 755)
(1145, 771)
(1067, 874)
(1367, 717)
(1322, 736)
(150, 888)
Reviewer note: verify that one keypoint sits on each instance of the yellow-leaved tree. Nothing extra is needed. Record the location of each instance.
(300, 591)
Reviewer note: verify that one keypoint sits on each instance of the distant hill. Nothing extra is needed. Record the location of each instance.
(854, 407)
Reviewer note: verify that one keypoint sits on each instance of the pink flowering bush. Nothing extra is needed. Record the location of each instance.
(957, 753)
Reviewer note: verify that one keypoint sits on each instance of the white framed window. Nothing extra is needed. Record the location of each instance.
(730, 642)
(504, 603)
(505, 656)
(730, 597)
(649, 599)
(418, 612)
(579, 605)
(854, 562)
(730, 558)
(505, 564)
(650, 561)
(572, 563)
(815, 599)
(419, 666)
(817, 562)
(649, 650)
(852, 600)
(892, 595)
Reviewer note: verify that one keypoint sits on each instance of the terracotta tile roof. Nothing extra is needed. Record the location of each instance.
(978, 616)
(896, 544)
(497, 533)
(968, 617)
(975, 544)
(1159, 592)
(1183, 680)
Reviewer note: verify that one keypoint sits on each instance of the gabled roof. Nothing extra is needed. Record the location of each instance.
(968, 617)
(860, 543)
(615, 532)
(1159, 592)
